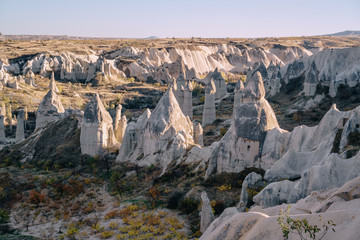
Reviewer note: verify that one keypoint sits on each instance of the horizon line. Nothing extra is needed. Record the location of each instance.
(154, 37)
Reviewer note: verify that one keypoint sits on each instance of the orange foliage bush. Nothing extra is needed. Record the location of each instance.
(36, 197)
(154, 194)
(112, 214)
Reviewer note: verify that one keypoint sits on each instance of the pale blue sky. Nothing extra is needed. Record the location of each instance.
(178, 18)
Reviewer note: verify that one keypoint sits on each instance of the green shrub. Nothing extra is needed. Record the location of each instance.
(4, 216)
(189, 205)
(301, 226)
(218, 206)
(198, 89)
(252, 192)
(202, 100)
(131, 79)
(107, 234)
(223, 131)
(72, 232)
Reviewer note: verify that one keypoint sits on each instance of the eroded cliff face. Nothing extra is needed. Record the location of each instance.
(319, 158)
(160, 137)
(315, 158)
(241, 145)
(66, 66)
(329, 68)
(340, 205)
(50, 110)
(159, 64)
(199, 60)
(96, 128)
(315, 169)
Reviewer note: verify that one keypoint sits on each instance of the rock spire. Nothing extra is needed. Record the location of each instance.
(209, 113)
(96, 128)
(50, 109)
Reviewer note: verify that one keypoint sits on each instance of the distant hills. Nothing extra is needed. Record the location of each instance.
(348, 33)
(152, 37)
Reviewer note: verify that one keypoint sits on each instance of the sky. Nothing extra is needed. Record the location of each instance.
(178, 18)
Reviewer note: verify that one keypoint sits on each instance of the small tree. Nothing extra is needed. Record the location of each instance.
(302, 227)
(4, 216)
(118, 182)
(27, 217)
(154, 194)
(36, 197)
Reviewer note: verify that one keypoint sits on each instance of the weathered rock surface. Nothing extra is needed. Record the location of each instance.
(123, 124)
(50, 109)
(199, 134)
(219, 81)
(309, 157)
(304, 147)
(20, 132)
(164, 64)
(20, 79)
(120, 124)
(96, 128)
(3, 110)
(177, 85)
(311, 80)
(183, 92)
(187, 105)
(133, 132)
(4, 75)
(252, 182)
(200, 156)
(13, 85)
(339, 205)
(209, 113)
(165, 119)
(2, 128)
(330, 68)
(238, 95)
(207, 215)
(242, 144)
(117, 123)
(276, 194)
(68, 66)
(165, 135)
(160, 64)
(351, 131)
(57, 143)
(52, 84)
(30, 81)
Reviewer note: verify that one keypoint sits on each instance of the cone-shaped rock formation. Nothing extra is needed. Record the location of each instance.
(52, 84)
(50, 109)
(241, 145)
(165, 135)
(219, 81)
(96, 128)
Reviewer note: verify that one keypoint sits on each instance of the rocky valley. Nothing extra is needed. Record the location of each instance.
(179, 138)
